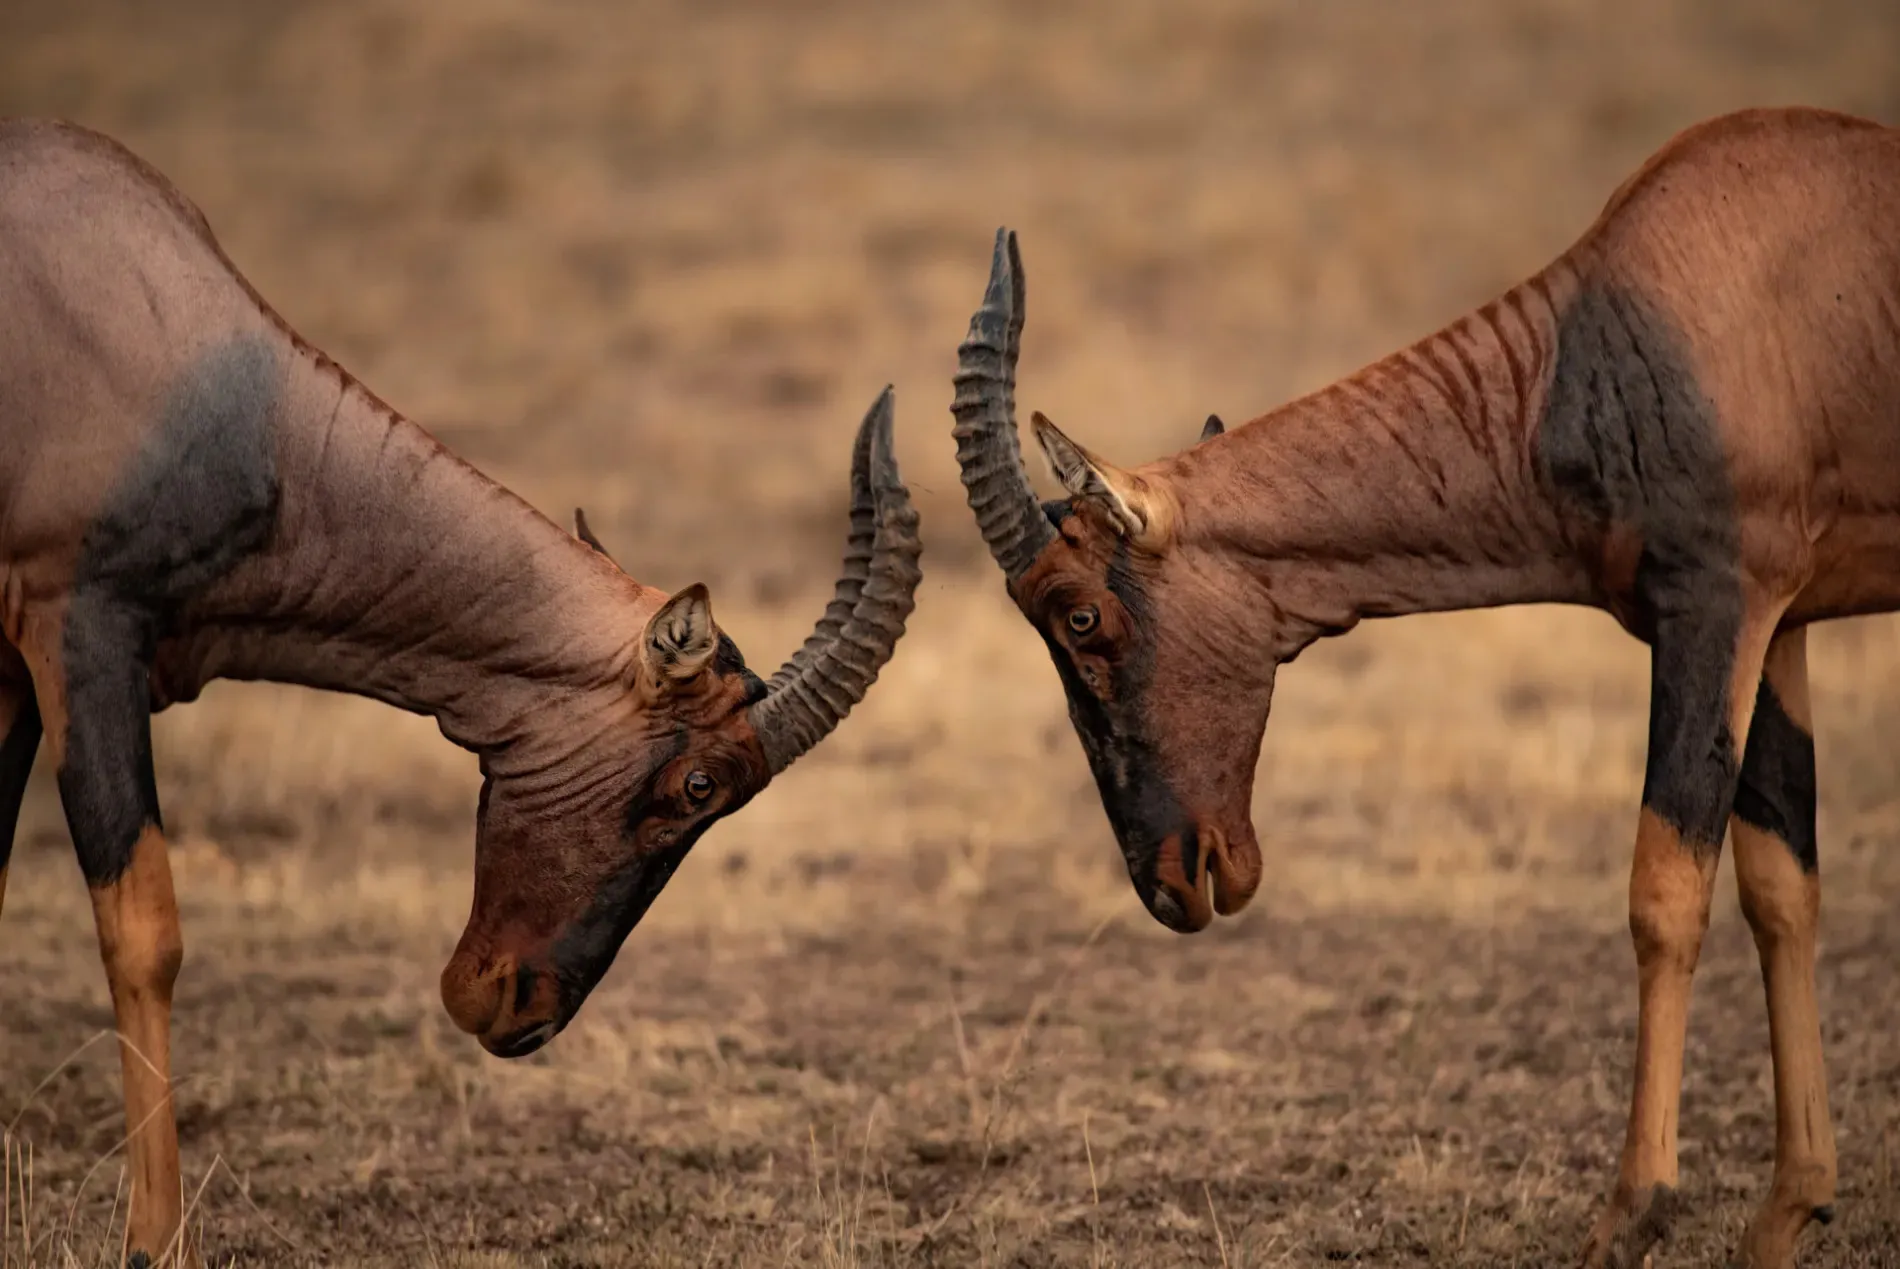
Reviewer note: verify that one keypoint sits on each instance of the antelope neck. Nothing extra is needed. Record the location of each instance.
(397, 571)
(1410, 486)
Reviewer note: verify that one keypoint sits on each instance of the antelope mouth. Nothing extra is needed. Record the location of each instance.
(521, 1043)
(1201, 872)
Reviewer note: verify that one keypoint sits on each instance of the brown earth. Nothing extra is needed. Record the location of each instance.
(905, 1009)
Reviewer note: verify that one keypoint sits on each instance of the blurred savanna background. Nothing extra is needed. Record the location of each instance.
(655, 259)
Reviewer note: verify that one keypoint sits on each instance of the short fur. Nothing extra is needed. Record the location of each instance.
(1688, 419)
(189, 491)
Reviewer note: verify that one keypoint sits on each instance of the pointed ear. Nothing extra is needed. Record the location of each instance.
(1212, 428)
(681, 638)
(1090, 479)
(585, 533)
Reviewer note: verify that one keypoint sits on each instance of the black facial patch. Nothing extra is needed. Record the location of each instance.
(586, 950)
(1777, 793)
(1629, 445)
(198, 496)
(640, 805)
(1140, 803)
(17, 752)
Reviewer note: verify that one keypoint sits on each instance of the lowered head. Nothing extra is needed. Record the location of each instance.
(583, 822)
(1153, 634)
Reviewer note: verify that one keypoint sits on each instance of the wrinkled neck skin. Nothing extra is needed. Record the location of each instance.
(1407, 487)
(398, 572)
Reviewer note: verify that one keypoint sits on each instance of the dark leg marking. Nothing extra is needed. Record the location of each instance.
(200, 495)
(1777, 793)
(106, 782)
(17, 752)
(1627, 445)
(1690, 777)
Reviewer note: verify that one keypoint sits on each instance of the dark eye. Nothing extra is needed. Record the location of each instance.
(1083, 621)
(699, 786)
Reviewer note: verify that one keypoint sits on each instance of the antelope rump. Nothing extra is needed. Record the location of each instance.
(192, 492)
(1690, 419)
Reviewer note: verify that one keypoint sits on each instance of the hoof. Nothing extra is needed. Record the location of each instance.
(1630, 1227)
(1775, 1231)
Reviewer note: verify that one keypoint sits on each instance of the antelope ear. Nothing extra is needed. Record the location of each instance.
(585, 533)
(1091, 479)
(680, 639)
(1212, 428)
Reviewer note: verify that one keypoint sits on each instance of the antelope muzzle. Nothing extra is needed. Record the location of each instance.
(510, 1003)
(1195, 873)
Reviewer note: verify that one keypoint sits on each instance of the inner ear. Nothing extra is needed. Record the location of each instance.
(1089, 479)
(681, 638)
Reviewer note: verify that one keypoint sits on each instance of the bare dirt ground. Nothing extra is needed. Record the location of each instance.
(904, 1010)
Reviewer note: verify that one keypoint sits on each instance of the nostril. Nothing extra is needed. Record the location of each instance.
(1177, 894)
(525, 982)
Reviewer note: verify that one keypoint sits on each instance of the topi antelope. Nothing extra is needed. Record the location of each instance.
(1690, 419)
(192, 492)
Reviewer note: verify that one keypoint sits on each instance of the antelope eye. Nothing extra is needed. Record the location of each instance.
(699, 786)
(1083, 620)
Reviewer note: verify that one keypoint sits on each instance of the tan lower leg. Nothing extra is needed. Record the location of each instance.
(1670, 889)
(1782, 905)
(139, 939)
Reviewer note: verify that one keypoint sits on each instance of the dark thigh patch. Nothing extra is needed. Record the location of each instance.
(1777, 793)
(201, 492)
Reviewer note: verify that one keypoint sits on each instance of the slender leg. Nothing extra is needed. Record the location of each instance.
(1777, 876)
(95, 700)
(1702, 696)
(20, 727)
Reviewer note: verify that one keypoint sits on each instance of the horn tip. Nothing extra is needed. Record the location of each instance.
(878, 420)
(1006, 259)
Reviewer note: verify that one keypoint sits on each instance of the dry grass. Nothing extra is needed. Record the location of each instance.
(904, 1010)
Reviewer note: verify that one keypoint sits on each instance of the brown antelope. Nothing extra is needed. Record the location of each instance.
(189, 491)
(1691, 418)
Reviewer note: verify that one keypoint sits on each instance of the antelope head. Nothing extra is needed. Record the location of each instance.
(575, 841)
(1144, 625)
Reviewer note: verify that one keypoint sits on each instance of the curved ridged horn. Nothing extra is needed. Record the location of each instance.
(836, 667)
(988, 449)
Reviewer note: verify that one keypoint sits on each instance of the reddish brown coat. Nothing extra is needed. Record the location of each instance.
(1690, 419)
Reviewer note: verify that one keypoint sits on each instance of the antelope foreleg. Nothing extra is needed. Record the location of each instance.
(94, 695)
(1702, 698)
